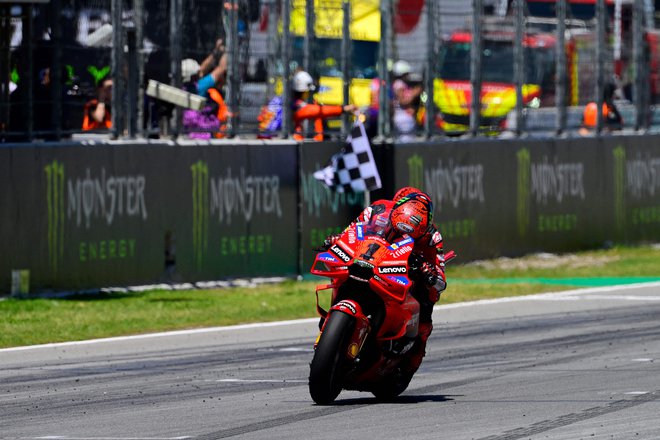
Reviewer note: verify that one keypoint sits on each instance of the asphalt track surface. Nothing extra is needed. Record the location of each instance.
(574, 365)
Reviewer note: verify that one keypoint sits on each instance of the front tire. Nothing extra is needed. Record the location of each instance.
(330, 362)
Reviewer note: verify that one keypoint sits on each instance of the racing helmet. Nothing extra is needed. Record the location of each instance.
(303, 82)
(406, 190)
(412, 215)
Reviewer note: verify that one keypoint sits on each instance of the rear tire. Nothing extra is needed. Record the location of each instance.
(330, 363)
(391, 387)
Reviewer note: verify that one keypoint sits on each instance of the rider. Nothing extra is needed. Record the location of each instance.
(412, 210)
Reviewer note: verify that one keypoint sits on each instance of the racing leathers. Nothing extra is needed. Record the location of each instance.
(428, 250)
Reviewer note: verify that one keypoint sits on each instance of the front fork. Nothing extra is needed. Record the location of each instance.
(360, 331)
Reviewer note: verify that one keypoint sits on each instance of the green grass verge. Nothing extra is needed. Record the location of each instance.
(38, 321)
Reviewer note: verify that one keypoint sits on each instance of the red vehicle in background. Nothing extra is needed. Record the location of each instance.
(452, 87)
(620, 29)
(453, 90)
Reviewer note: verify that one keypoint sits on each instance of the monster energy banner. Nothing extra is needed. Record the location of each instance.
(80, 217)
(89, 216)
(497, 198)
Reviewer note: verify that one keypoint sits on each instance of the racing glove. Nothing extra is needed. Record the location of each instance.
(330, 240)
(433, 279)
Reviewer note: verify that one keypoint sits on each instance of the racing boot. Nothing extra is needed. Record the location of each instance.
(419, 349)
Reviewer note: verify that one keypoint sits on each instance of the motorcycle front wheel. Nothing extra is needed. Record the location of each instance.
(330, 361)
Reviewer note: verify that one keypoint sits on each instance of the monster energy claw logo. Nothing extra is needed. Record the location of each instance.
(55, 210)
(200, 202)
(523, 191)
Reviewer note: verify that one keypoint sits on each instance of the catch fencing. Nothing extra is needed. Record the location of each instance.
(536, 65)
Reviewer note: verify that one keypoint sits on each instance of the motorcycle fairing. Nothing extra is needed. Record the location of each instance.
(363, 254)
(404, 281)
(359, 231)
(327, 256)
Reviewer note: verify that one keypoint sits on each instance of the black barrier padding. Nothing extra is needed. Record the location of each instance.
(80, 214)
(506, 198)
(90, 216)
(635, 186)
(83, 217)
(247, 224)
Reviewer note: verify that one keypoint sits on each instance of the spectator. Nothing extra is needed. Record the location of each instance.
(212, 75)
(206, 80)
(371, 123)
(197, 124)
(406, 91)
(97, 113)
(42, 92)
(190, 74)
(303, 111)
(612, 119)
(213, 69)
(43, 101)
(260, 73)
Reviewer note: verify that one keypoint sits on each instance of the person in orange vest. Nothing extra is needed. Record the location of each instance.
(612, 119)
(302, 86)
(97, 113)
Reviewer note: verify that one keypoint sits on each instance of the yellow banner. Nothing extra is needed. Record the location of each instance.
(329, 19)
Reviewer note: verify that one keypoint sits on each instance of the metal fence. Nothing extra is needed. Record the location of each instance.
(535, 65)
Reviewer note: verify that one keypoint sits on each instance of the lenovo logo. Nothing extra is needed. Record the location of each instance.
(340, 253)
(393, 269)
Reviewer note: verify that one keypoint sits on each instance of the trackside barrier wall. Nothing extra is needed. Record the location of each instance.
(85, 216)
(90, 216)
(511, 197)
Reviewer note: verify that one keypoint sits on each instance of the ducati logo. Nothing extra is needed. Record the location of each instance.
(347, 305)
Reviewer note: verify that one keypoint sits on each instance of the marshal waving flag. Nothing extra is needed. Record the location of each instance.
(353, 168)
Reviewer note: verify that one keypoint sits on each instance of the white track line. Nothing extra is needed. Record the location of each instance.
(576, 294)
(164, 334)
(63, 437)
(258, 380)
(563, 295)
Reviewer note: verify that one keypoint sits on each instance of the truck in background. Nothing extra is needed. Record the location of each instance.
(620, 29)
(452, 86)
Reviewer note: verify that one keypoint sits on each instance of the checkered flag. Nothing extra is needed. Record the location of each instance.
(353, 168)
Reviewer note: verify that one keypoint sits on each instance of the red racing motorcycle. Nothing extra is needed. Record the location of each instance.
(372, 324)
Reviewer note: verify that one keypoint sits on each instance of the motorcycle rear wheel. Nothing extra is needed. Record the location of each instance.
(329, 364)
(391, 387)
